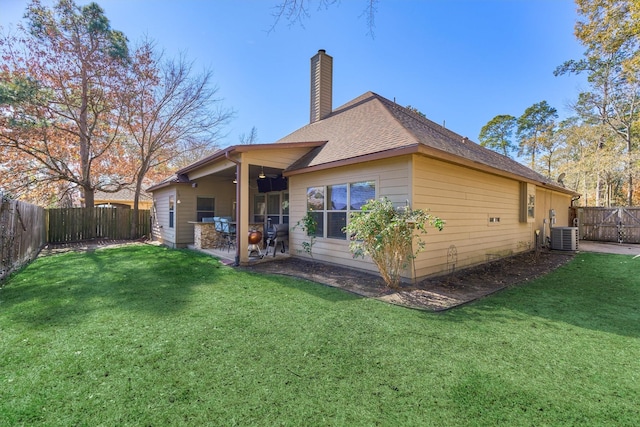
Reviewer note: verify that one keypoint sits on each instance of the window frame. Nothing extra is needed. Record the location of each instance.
(209, 213)
(328, 214)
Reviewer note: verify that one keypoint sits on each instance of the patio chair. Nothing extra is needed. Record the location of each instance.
(221, 241)
(228, 233)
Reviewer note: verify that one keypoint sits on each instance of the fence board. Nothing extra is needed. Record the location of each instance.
(22, 234)
(620, 224)
(76, 224)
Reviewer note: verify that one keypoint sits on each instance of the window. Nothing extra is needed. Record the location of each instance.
(337, 210)
(527, 202)
(171, 210)
(259, 208)
(331, 212)
(315, 207)
(205, 207)
(272, 207)
(361, 193)
(531, 206)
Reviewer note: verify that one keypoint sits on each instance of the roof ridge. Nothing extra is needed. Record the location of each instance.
(449, 134)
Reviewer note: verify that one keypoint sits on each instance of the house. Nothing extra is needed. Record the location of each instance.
(368, 148)
(120, 199)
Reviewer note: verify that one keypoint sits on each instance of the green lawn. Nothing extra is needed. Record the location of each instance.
(144, 335)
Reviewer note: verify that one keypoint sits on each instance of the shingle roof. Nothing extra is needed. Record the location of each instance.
(372, 124)
(124, 194)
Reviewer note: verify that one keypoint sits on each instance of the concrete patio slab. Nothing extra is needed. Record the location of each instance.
(609, 247)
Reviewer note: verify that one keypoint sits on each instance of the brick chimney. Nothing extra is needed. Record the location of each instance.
(321, 85)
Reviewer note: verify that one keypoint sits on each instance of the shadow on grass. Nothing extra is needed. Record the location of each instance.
(594, 291)
(65, 288)
(310, 287)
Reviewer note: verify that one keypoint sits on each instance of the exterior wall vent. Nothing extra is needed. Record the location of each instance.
(564, 238)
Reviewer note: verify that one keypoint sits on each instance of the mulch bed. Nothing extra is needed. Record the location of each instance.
(433, 294)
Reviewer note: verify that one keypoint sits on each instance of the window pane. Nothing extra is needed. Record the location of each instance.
(259, 208)
(319, 217)
(337, 196)
(273, 219)
(273, 204)
(361, 193)
(336, 221)
(205, 204)
(285, 204)
(315, 198)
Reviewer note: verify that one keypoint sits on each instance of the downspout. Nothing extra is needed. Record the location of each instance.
(238, 208)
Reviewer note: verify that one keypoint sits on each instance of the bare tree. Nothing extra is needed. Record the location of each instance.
(252, 138)
(170, 111)
(296, 11)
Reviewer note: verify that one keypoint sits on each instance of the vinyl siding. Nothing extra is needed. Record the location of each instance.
(392, 180)
(161, 200)
(466, 199)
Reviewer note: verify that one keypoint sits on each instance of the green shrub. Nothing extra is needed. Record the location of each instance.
(387, 235)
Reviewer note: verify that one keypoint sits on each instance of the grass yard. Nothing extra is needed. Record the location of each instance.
(144, 335)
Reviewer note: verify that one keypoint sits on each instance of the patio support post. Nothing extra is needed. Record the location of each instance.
(239, 228)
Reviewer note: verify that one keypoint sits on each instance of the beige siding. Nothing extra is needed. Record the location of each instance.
(546, 200)
(161, 202)
(392, 180)
(466, 200)
(274, 158)
(223, 191)
(185, 212)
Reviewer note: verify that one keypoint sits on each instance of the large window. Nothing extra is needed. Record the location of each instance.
(205, 207)
(271, 208)
(331, 212)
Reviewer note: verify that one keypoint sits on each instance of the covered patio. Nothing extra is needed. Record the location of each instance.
(246, 185)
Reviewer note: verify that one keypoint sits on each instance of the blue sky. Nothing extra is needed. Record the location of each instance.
(460, 62)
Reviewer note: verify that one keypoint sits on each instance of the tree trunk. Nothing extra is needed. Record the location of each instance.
(136, 210)
(89, 198)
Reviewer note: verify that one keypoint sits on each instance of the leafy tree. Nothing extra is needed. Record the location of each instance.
(169, 112)
(611, 27)
(535, 128)
(498, 133)
(610, 32)
(67, 129)
(387, 235)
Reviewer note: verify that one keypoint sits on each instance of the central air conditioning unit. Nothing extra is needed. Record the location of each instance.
(564, 238)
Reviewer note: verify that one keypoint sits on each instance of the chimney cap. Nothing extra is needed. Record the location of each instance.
(322, 51)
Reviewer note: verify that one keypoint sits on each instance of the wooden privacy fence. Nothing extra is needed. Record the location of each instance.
(22, 234)
(76, 224)
(618, 224)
